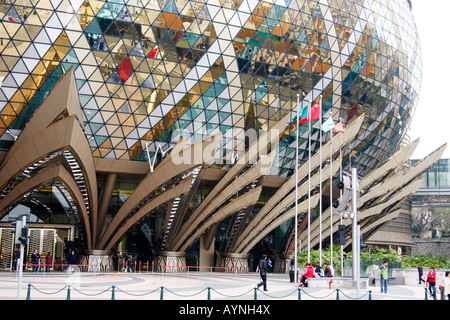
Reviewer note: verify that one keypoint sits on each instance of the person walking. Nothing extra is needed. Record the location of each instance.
(262, 267)
(447, 284)
(431, 278)
(384, 276)
(420, 270)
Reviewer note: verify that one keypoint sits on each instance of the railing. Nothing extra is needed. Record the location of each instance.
(162, 290)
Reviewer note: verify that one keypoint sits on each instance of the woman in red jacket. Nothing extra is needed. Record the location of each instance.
(431, 278)
(308, 274)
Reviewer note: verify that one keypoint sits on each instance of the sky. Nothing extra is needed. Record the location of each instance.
(430, 121)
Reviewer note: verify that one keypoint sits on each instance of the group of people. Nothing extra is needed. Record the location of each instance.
(125, 263)
(315, 271)
(36, 259)
(431, 280)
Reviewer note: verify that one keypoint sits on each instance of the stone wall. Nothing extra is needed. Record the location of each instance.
(435, 247)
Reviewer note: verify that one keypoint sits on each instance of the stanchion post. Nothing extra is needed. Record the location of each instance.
(209, 293)
(68, 292)
(426, 294)
(29, 292)
(161, 296)
(299, 294)
(337, 294)
(113, 295)
(370, 294)
(255, 296)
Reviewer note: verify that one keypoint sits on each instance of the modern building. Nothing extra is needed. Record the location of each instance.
(168, 128)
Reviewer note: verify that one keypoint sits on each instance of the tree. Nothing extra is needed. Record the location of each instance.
(436, 220)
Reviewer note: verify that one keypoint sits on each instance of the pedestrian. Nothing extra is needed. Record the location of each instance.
(319, 271)
(130, 264)
(72, 260)
(35, 256)
(384, 276)
(328, 271)
(308, 274)
(48, 261)
(447, 284)
(262, 266)
(16, 260)
(420, 270)
(431, 278)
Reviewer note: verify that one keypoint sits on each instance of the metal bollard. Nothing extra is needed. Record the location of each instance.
(29, 291)
(370, 294)
(337, 294)
(209, 293)
(299, 294)
(68, 292)
(113, 295)
(161, 296)
(255, 296)
(426, 293)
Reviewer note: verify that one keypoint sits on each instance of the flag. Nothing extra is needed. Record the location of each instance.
(339, 127)
(328, 125)
(315, 111)
(303, 115)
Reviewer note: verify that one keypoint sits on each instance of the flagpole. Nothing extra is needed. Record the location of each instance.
(296, 191)
(331, 195)
(309, 182)
(320, 182)
(340, 178)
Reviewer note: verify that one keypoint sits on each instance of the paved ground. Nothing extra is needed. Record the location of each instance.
(192, 286)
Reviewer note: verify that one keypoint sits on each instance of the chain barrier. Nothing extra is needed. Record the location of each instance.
(115, 289)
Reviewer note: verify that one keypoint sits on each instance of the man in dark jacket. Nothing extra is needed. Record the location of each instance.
(262, 266)
(420, 270)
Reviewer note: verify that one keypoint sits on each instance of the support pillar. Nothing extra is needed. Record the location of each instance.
(232, 262)
(206, 254)
(170, 261)
(107, 190)
(96, 261)
(282, 263)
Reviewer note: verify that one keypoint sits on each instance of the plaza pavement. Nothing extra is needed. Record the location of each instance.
(183, 286)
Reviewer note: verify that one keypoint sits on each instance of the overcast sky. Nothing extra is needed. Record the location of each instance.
(431, 121)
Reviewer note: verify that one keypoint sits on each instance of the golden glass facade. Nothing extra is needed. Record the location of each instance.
(147, 68)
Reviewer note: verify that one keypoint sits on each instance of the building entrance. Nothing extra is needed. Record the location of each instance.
(44, 238)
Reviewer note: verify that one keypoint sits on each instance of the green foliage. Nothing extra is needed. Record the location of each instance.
(439, 262)
(326, 257)
(380, 255)
(374, 256)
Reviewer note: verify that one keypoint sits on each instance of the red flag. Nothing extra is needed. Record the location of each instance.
(11, 19)
(315, 111)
